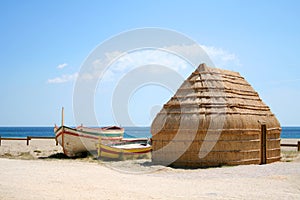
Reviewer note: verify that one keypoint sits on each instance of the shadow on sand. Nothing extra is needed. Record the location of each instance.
(63, 156)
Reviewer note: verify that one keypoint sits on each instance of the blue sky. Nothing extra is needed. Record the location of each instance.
(44, 43)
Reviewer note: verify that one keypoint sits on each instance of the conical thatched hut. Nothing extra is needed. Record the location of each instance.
(215, 118)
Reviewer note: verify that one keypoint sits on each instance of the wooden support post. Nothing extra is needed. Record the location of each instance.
(298, 145)
(263, 144)
(56, 141)
(0, 140)
(27, 141)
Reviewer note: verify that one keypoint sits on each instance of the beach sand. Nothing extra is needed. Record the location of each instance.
(27, 172)
(37, 148)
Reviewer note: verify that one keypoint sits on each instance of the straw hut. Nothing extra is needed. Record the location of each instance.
(215, 118)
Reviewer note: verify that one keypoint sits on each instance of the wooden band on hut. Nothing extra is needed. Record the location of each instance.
(215, 118)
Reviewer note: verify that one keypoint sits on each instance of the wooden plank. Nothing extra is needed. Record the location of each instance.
(28, 138)
(263, 144)
(292, 145)
(1, 138)
(13, 138)
(289, 145)
(40, 137)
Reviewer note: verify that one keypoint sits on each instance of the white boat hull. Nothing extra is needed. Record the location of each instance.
(81, 140)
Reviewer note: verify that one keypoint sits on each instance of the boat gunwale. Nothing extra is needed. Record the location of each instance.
(110, 135)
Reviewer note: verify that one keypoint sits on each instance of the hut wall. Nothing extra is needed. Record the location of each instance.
(182, 130)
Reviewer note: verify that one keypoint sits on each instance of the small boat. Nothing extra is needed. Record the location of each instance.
(76, 141)
(135, 149)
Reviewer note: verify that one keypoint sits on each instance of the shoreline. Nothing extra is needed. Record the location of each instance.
(43, 148)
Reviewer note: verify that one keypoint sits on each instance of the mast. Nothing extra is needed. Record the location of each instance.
(62, 116)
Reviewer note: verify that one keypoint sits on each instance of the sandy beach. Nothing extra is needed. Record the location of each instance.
(32, 172)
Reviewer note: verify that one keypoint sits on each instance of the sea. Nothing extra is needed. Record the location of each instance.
(23, 132)
(130, 132)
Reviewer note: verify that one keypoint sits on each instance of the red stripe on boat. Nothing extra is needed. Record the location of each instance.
(87, 136)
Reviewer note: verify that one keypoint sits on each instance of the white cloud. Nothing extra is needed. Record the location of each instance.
(193, 53)
(220, 57)
(115, 64)
(128, 61)
(64, 78)
(61, 66)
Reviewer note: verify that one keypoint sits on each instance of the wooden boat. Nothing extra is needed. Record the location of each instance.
(76, 141)
(124, 150)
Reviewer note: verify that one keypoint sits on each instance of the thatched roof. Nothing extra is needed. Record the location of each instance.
(213, 100)
(215, 91)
